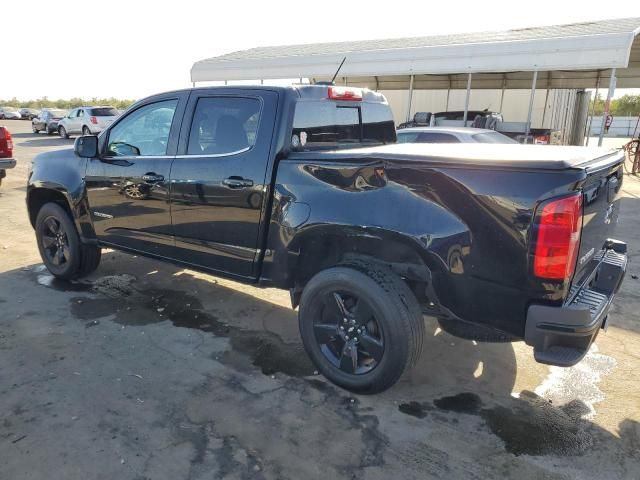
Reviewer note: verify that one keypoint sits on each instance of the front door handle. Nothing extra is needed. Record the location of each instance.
(237, 182)
(152, 177)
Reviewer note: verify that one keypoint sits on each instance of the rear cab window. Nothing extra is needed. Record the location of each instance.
(338, 117)
(103, 112)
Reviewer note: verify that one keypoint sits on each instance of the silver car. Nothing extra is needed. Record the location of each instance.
(9, 113)
(451, 135)
(86, 121)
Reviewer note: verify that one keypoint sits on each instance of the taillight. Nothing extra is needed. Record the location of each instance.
(558, 238)
(93, 120)
(344, 93)
(6, 144)
(541, 139)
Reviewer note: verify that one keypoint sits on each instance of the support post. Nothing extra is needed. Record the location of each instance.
(504, 84)
(466, 100)
(546, 100)
(607, 104)
(531, 97)
(410, 98)
(593, 108)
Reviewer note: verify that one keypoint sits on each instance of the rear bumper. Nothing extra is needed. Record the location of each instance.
(6, 163)
(562, 335)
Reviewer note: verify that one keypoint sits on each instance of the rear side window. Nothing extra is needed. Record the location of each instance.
(224, 125)
(492, 137)
(436, 137)
(103, 112)
(321, 124)
(407, 137)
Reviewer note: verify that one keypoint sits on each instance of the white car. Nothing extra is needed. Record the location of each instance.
(86, 121)
(451, 135)
(9, 113)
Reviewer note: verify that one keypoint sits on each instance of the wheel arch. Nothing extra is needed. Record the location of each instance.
(41, 193)
(317, 248)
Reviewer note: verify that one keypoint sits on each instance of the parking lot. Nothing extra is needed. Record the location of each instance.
(146, 370)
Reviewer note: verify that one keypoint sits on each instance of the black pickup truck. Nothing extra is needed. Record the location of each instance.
(304, 188)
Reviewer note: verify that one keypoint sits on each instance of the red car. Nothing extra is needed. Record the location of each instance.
(6, 152)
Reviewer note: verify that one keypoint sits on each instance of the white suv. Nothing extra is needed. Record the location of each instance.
(87, 120)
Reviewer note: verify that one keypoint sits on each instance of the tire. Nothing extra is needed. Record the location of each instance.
(62, 132)
(35, 130)
(86, 131)
(91, 256)
(391, 322)
(60, 248)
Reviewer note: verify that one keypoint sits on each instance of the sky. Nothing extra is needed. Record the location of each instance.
(131, 49)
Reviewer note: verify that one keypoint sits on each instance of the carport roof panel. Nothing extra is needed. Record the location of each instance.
(579, 46)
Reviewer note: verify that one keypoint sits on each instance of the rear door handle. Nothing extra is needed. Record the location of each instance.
(152, 177)
(237, 182)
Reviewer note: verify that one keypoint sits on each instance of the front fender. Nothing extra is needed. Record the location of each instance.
(60, 174)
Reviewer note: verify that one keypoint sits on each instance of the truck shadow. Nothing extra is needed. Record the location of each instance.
(40, 140)
(454, 378)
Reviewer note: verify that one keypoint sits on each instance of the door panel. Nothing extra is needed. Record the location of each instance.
(128, 186)
(218, 183)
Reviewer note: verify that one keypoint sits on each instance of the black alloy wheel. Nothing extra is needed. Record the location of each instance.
(348, 333)
(55, 242)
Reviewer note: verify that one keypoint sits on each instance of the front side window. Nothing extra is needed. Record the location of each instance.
(144, 132)
(224, 125)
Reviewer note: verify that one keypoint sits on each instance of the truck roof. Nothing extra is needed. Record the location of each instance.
(547, 157)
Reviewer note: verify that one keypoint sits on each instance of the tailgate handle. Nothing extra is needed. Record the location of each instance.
(237, 182)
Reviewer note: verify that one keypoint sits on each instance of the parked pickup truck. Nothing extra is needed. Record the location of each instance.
(304, 188)
(6, 152)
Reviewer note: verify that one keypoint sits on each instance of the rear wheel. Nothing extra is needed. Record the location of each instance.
(60, 248)
(62, 132)
(361, 325)
(86, 131)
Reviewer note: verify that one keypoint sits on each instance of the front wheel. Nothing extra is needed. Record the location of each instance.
(62, 132)
(60, 248)
(361, 325)
(35, 130)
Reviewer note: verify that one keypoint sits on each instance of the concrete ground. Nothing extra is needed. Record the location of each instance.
(146, 370)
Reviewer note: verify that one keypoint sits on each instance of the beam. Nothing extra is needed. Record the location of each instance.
(410, 98)
(531, 97)
(466, 100)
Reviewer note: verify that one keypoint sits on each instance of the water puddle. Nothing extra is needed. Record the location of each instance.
(528, 425)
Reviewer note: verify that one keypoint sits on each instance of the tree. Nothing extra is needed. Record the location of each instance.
(44, 102)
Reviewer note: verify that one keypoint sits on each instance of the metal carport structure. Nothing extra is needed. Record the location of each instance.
(573, 56)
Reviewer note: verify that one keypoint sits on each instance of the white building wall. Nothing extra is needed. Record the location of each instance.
(514, 107)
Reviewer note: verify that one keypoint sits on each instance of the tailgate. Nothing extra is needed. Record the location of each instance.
(601, 206)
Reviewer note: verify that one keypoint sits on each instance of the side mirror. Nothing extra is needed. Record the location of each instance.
(86, 146)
